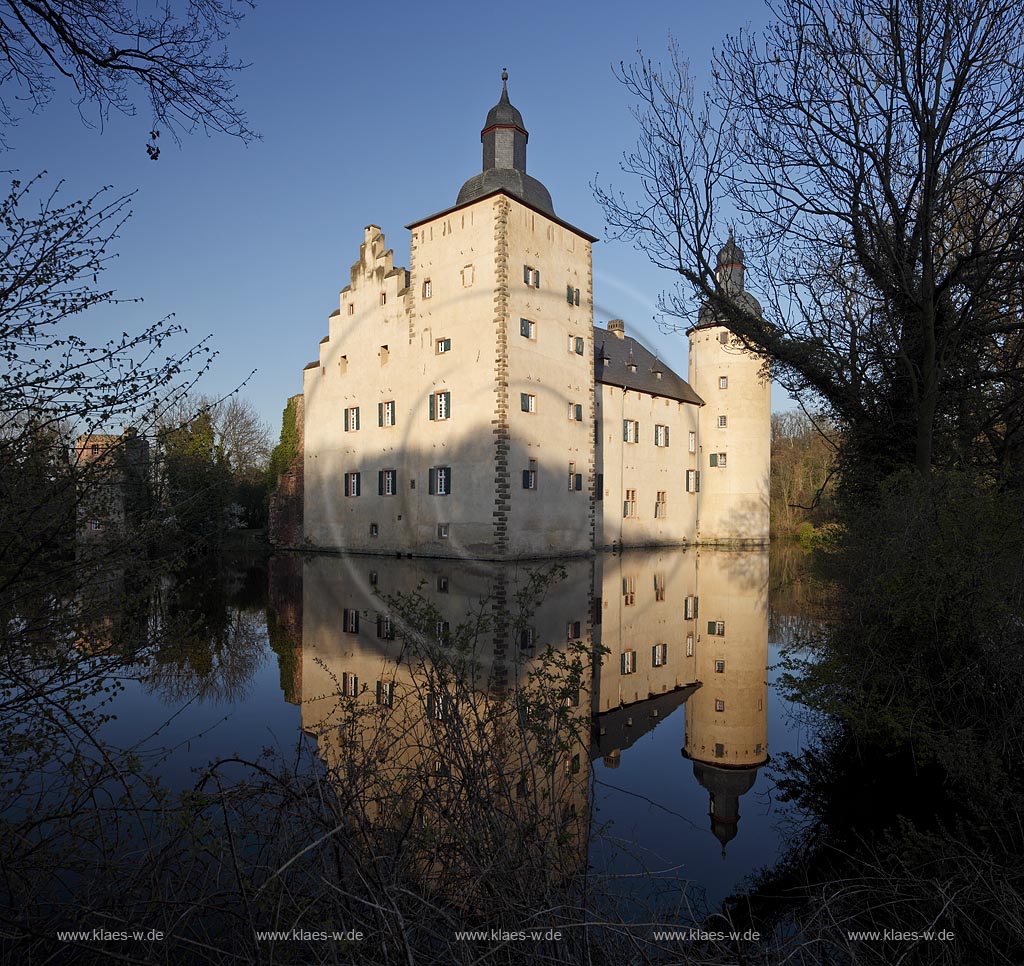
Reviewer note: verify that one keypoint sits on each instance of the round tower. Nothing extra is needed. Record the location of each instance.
(734, 424)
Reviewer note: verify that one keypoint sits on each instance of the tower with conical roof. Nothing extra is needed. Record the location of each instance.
(734, 425)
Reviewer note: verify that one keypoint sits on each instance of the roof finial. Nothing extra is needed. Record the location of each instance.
(504, 79)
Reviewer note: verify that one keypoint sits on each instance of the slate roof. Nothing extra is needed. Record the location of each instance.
(617, 372)
(517, 183)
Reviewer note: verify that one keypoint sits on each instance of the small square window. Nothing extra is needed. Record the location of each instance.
(531, 276)
(723, 422)
(527, 402)
(719, 704)
(528, 329)
(443, 345)
(95, 448)
(723, 382)
(442, 531)
(719, 667)
(442, 584)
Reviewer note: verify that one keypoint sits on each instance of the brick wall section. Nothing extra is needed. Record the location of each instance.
(500, 422)
(284, 524)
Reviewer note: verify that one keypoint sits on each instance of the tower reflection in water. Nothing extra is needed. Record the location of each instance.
(654, 631)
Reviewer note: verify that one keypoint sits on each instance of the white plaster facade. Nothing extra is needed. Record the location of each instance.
(467, 406)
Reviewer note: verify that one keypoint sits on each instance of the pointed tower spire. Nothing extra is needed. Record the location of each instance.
(504, 137)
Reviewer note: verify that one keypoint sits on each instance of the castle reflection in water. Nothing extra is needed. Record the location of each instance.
(671, 629)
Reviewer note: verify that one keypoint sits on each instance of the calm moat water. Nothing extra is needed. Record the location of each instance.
(680, 721)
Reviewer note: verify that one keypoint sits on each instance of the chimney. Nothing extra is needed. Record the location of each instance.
(617, 328)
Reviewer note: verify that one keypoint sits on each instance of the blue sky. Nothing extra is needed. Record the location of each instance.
(368, 113)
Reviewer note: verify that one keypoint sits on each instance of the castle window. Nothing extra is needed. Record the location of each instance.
(373, 578)
(661, 435)
(689, 645)
(572, 295)
(352, 484)
(723, 382)
(385, 629)
(719, 667)
(629, 504)
(576, 412)
(427, 288)
(627, 662)
(659, 655)
(580, 345)
(440, 405)
(350, 620)
(575, 479)
(719, 704)
(384, 355)
(528, 641)
(719, 751)
(440, 481)
(467, 276)
(630, 430)
(716, 459)
(383, 298)
(530, 476)
(443, 345)
(690, 608)
(386, 413)
(442, 531)
(443, 631)
(351, 309)
(95, 449)
(442, 584)
(628, 591)
(386, 694)
(387, 482)
(716, 628)
(342, 365)
(723, 422)
(95, 525)
(531, 276)
(349, 684)
(573, 631)
(661, 505)
(693, 442)
(527, 329)
(527, 402)
(693, 481)
(723, 337)
(374, 530)
(351, 419)
(659, 587)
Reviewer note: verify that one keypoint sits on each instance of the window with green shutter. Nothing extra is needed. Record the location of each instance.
(713, 459)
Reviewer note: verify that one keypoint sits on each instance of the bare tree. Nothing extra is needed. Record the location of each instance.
(103, 47)
(871, 153)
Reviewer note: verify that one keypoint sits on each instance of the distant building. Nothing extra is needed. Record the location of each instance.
(114, 484)
(468, 406)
